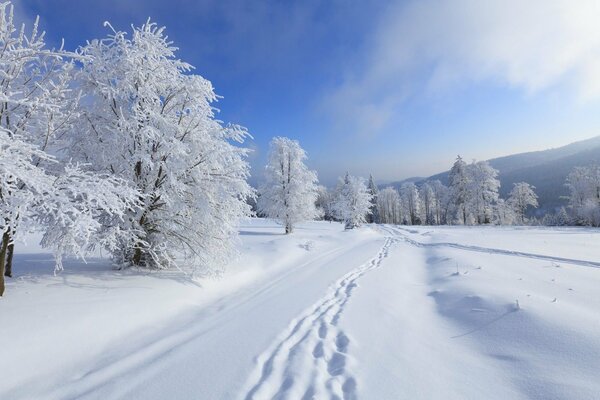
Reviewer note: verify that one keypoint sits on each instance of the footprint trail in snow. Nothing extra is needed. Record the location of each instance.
(311, 360)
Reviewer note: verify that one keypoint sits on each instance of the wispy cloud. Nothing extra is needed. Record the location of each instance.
(433, 46)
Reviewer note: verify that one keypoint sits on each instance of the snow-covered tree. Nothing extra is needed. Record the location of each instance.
(373, 216)
(584, 198)
(389, 207)
(483, 190)
(147, 120)
(441, 201)
(24, 94)
(504, 213)
(78, 206)
(353, 201)
(37, 190)
(324, 203)
(562, 217)
(459, 188)
(21, 181)
(427, 205)
(410, 199)
(290, 189)
(520, 198)
(559, 218)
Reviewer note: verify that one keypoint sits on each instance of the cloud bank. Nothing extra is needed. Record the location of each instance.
(435, 46)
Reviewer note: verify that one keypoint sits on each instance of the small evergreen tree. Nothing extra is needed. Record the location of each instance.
(373, 217)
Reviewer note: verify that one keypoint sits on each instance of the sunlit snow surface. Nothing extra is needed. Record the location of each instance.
(382, 312)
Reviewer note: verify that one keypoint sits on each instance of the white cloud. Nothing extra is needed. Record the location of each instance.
(433, 45)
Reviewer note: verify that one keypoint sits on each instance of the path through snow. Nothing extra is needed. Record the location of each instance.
(311, 359)
(435, 318)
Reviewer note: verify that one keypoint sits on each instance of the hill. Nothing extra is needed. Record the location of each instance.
(547, 170)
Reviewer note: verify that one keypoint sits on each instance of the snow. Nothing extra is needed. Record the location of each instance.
(379, 312)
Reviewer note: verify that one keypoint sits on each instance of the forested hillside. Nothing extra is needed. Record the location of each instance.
(547, 170)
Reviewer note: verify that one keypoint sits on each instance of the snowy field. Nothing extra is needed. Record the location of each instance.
(381, 312)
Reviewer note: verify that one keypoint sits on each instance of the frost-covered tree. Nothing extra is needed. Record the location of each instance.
(427, 205)
(562, 217)
(39, 190)
(78, 206)
(559, 218)
(389, 207)
(27, 73)
(459, 189)
(324, 203)
(147, 120)
(504, 213)
(520, 198)
(410, 199)
(373, 216)
(483, 187)
(21, 182)
(353, 201)
(290, 189)
(441, 201)
(584, 198)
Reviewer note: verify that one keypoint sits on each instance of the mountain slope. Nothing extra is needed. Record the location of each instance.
(547, 170)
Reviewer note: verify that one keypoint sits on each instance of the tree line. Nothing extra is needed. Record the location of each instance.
(291, 193)
(470, 198)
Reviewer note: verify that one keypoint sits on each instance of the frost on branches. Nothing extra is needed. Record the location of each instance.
(389, 206)
(353, 201)
(458, 180)
(483, 190)
(290, 190)
(584, 199)
(37, 106)
(411, 201)
(520, 198)
(148, 121)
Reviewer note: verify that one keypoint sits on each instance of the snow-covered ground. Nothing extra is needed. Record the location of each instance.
(382, 312)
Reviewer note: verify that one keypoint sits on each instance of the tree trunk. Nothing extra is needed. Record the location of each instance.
(137, 252)
(3, 248)
(9, 258)
(137, 257)
(288, 228)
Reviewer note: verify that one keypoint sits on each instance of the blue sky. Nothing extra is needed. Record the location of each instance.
(394, 88)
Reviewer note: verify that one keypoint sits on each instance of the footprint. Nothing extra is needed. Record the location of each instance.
(278, 372)
(349, 389)
(341, 342)
(337, 364)
(323, 330)
(318, 350)
(350, 287)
